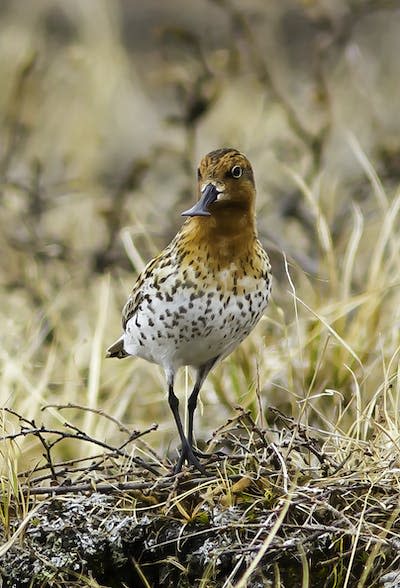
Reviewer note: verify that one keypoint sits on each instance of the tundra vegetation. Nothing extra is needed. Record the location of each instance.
(105, 110)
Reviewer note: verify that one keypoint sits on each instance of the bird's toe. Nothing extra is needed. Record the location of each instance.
(191, 456)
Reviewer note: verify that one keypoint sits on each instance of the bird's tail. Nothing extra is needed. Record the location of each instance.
(117, 349)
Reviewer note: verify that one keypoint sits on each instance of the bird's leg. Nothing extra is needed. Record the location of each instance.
(192, 403)
(186, 450)
(187, 454)
(174, 406)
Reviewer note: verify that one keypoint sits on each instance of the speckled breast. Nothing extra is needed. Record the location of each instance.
(190, 321)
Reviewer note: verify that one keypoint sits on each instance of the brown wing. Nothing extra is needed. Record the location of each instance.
(136, 295)
(149, 272)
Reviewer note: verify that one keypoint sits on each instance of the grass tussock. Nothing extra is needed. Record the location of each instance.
(102, 120)
(281, 503)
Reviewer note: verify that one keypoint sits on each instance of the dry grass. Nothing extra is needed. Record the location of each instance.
(100, 134)
(287, 502)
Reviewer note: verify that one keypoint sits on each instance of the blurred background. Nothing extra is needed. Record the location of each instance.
(106, 106)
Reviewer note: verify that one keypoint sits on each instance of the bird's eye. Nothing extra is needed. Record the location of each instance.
(236, 171)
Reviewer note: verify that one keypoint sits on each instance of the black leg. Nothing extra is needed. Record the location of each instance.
(188, 455)
(174, 406)
(202, 373)
(192, 405)
(186, 449)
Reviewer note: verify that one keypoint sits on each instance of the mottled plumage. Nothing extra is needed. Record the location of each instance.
(196, 301)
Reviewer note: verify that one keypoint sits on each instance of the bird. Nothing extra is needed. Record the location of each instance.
(196, 301)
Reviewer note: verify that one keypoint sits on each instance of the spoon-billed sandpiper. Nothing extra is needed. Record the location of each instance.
(198, 299)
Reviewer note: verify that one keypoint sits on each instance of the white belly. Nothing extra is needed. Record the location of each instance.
(191, 327)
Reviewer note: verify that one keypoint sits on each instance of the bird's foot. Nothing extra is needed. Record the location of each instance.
(213, 456)
(191, 456)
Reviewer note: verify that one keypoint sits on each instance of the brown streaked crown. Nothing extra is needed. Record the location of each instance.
(232, 172)
(218, 164)
(221, 223)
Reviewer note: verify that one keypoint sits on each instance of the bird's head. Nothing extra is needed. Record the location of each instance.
(225, 184)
